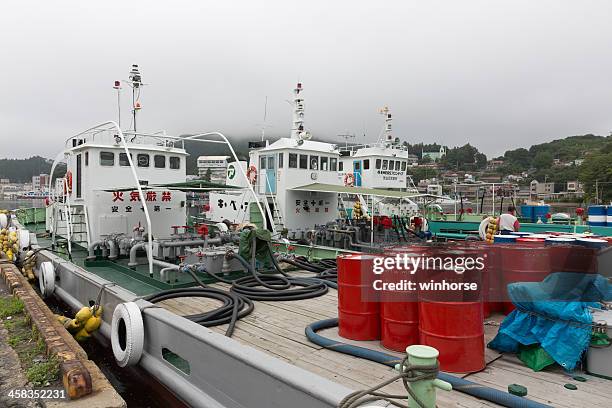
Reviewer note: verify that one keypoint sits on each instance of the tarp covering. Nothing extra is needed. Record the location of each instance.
(553, 313)
(262, 240)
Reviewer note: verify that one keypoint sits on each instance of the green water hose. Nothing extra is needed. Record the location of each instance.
(459, 384)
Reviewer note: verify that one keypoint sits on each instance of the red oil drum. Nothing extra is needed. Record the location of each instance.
(399, 310)
(492, 281)
(523, 263)
(454, 327)
(572, 258)
(357, 319)
(491, 275)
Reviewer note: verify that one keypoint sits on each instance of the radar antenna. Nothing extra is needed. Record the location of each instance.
(135, 82)
(346, 136)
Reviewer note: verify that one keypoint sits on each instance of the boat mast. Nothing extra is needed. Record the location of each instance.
(388, 136)
(117, 86)
(298, 113)
(135, 82)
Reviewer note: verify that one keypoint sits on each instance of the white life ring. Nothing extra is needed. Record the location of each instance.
(349, 179)
(252, 174)
(3, 221)
(46, 279)
(482, 228)
(127, 334)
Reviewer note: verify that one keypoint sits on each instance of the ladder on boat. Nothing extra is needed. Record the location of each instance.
(274, 213)
(70, 221)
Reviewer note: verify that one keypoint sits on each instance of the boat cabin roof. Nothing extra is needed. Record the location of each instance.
(287, 143)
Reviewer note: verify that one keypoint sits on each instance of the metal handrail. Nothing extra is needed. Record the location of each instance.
(66, 200)
(248, 183)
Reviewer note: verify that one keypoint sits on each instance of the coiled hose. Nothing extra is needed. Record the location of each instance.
(325, 269)
(275, 288)
(462, 385)
(234, 306)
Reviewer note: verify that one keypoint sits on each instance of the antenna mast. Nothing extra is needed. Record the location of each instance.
(117, 86)
(346, 136)
(263, 127)
(135, 82)
(298, 113)
(388, 140)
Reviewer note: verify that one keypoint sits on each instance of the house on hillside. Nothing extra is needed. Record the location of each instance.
(494, 164)
(541, 191)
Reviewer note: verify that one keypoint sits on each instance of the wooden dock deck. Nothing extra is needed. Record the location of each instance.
(277, 328)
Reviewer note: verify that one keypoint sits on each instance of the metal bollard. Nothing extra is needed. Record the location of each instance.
(425, 390)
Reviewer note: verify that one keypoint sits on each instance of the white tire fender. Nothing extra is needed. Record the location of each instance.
(127, 334)
(46, 279)
(24, 239)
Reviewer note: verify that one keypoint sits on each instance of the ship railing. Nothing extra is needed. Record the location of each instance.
(108, 135)
(354, 147)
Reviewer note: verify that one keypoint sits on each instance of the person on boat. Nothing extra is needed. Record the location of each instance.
(508, 221)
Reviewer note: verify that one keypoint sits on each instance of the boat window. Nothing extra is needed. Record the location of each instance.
(356, 165)
(333, 164)
(292, 160)
(87, 158)
(159, 161)
(366, 164)
(303, 161)
(142, 159)
(175, 163)
(384, 165)
(271, 162)
(397, 165)
(123, 159)
(378, 164)
(281, 156)
(324, 161)
(107, 159)
(314, 162)
(403, 166)
(262, 163)
(341, 166)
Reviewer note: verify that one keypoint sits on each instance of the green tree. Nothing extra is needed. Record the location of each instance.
(521, 158)
(598, 168)
(543, 160)
(207, 175)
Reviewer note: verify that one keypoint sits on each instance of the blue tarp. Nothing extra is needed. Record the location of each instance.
(554, 313)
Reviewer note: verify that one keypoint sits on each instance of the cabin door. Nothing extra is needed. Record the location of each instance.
(271, 175)
(357, 172)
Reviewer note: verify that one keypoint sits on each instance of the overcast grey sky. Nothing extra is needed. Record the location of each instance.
(497, 74)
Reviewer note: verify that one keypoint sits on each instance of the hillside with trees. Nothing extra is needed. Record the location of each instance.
(22, 170)
(586, 158)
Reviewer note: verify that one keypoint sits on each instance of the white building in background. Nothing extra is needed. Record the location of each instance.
(216, 166)
(40, 182)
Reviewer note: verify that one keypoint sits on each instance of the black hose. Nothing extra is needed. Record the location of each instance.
(234, 305)
(275, 288)
(325, 269)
